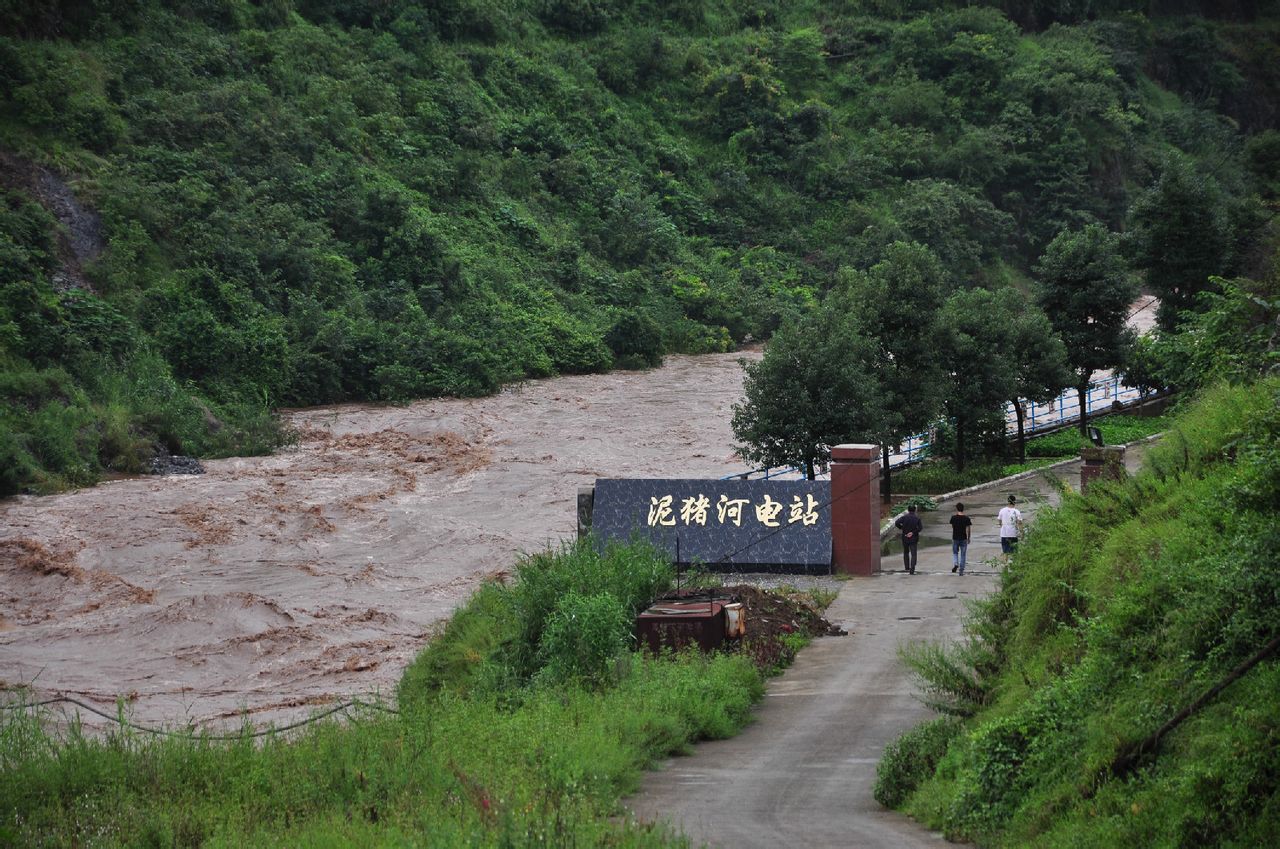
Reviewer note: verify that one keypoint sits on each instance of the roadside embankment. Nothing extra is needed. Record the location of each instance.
(1116, 690)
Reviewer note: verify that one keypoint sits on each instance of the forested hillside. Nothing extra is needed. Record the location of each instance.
(213, 208)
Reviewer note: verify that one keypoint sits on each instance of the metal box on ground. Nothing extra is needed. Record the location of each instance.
(675, 623)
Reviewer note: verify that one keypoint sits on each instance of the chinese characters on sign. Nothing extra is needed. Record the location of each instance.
(694, 510)
(725, 523)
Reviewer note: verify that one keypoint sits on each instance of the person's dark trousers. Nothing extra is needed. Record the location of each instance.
(909, 556)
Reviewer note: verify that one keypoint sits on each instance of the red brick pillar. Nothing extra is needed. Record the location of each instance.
(855, 509)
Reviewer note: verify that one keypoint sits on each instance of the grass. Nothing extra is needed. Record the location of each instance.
(487, 750)
(1120, 608)
(474, 770)
(1116, 430)
(937, 476)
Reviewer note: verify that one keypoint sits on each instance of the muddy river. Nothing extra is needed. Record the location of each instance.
(273, 585)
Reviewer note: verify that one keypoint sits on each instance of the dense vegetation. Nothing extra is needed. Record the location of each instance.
(513, 730)
(306, 201)
(1119, 688)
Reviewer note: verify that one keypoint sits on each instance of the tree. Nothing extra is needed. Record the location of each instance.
(975, 347)
(1085, 289)
(814, 388)
(1181, 236)
(1039, 359)
(1234, 337)
(896, 303)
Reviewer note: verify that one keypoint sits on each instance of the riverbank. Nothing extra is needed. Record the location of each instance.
(272, 585)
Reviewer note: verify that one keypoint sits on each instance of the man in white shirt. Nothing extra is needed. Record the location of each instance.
(1010, 520)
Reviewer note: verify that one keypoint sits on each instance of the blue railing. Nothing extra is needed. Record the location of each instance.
(1038, 418)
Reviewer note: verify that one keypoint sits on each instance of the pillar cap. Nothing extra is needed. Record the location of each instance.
(1102, 453)
(851, 452)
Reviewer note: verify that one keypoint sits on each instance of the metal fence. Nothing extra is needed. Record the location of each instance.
(1102, 396)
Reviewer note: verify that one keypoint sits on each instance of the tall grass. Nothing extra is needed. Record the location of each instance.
(1122, 607)
(484, 752)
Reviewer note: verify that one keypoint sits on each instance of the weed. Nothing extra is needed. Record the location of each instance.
(912, 758)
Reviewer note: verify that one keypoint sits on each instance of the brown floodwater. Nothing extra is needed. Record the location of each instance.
(274, 585)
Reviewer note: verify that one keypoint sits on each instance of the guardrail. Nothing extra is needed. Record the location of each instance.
(1038, 418)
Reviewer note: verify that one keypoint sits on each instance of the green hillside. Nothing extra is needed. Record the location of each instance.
(1124, 608)
(309, 201)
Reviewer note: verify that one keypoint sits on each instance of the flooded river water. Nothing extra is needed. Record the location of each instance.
(272, 585)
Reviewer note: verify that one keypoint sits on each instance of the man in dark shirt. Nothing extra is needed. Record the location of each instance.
(910, 526)
(961, 531)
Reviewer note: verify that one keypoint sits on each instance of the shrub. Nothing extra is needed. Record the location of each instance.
(636, 340)
(576, 349)
(17, 467)
(920, 502)
(398, 384)
(583, 638)
(499, 641)
(64, 441)
(911, 759)
(949, 675)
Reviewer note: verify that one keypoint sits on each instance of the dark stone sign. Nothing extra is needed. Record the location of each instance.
(784, 525)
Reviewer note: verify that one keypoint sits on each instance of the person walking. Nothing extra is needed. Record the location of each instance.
(961, 532)
(910, 526)
(1010, 519)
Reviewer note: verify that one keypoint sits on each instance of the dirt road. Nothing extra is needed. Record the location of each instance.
(275, 584)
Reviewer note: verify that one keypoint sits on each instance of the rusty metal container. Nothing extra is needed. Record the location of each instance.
(680, 621)
(677, 624)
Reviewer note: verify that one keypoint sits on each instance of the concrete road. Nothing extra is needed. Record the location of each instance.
(802, 774)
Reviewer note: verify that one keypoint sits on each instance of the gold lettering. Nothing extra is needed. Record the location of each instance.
(660, 511)
(800, 514)
(730, 508)
(767, 512)
(694, 509)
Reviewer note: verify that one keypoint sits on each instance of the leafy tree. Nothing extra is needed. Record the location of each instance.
(314, 201)
(1039, 358)
(1086, 290)
(975, 348)
(1233, 336)
(1262, 157)
(896, 303)
(815, 387)
(1181, 236)
(962, 230)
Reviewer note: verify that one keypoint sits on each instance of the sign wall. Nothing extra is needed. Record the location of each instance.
(721, 523)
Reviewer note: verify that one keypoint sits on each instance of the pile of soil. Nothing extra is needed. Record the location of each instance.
(770, 613)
